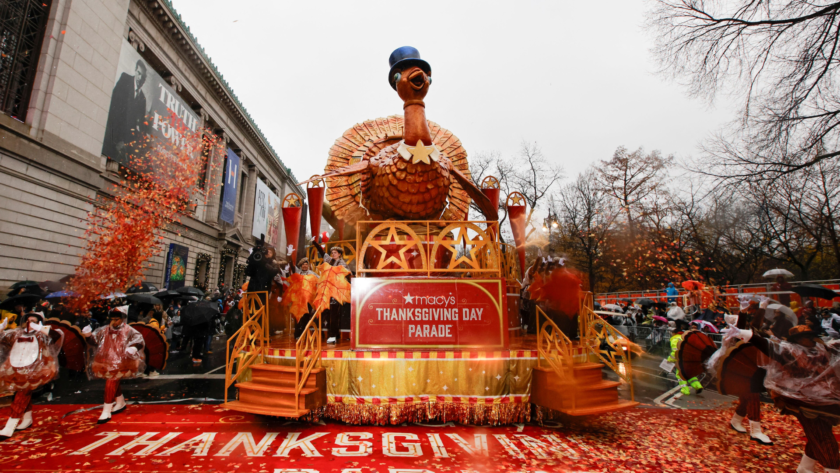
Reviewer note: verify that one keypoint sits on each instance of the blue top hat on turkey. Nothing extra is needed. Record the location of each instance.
(403, 57)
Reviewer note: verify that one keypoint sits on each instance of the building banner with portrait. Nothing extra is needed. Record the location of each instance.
(144, 111)
(267, 215)
(175, 271)
(230, 183)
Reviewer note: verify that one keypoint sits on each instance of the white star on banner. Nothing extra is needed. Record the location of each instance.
(360, 379)
(498, 376)
(373, 385)
(516, 378)
(486, 388)
(410, 369)
(409, 299)
(445, 388)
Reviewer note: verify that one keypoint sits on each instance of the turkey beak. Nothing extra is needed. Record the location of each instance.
(417, 79)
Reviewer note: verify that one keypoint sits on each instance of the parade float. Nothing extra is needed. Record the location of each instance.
(434, 327)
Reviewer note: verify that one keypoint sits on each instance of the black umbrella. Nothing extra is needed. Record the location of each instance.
(814, 290)
(645, 301)
(596, 305)
(27, 300)
(141, 287)
(144, 299)
(199, 313)
(660, 305)
(626, 299)
(167, 294)
(190, 291)
(51, 286)
(21, 284)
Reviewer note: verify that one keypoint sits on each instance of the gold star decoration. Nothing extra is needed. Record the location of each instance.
(390, 255)
(420, 153)
(470, 256)
(517, 199)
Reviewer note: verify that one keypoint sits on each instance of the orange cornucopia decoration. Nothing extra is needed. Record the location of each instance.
(301, 291)
(333, 284)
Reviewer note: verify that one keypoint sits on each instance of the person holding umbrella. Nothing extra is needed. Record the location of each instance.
(118, 355)
(30, 360)
(196, 320)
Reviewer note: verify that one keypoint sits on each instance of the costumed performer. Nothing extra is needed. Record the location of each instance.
(29, 360)
(303, 269)
(118, 355)
(338, 312)
(751, 316)
(802, 377)
(677, 330)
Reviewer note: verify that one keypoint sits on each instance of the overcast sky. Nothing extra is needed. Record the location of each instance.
(577, 77)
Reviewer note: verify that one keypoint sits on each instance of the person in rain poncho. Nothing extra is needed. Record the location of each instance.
(676, 336)
(28, 360)
(675, 312)
(672, 293)
(803, 377)
(118, 354)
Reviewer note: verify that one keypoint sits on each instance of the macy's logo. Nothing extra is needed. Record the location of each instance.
(430, 300)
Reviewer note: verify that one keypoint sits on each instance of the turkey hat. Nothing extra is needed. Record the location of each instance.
(402, 58)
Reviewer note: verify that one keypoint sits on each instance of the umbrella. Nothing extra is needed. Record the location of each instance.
(141, 287)
(199, 313)
(704, 323)
(157, 348)
(74, 349)
(626, 299)
(645, 301)
(815, 290)
(596, 305)
(51, 286)
(167, 294)
(614, 307)
(190, 291)
(113, 295)
(693, 351)
(660, 305)
(692, 285)
(777, 272)
(660, 318)
(789, 314)
(60, 294)
(144, 299)
(66, 279)
(22, 284)
(26, 300)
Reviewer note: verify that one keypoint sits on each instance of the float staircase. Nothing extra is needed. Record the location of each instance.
(576, 387)
(274, 390)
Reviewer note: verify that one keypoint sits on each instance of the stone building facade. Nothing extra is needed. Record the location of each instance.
(53, 121)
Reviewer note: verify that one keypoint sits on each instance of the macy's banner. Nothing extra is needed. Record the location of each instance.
(428, 313)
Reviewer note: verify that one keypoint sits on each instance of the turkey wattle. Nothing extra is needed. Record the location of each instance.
(402, 168)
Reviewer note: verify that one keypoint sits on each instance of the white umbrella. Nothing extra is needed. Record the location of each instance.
(614, 307)
(785, 310)
(777, 272)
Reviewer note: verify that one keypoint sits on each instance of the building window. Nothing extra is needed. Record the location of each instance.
(22, 24)
(244, 181)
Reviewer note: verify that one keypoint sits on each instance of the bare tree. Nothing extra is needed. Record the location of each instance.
(780, 57)
(630, 178)
(587, 217)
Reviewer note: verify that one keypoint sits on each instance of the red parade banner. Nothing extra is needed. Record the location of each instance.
(516, 214)
(428, 313)
(315, 196)
(291, 221)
